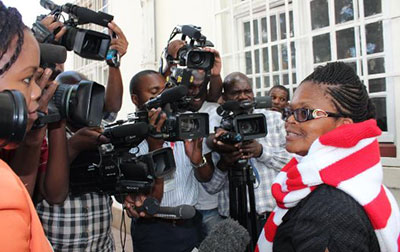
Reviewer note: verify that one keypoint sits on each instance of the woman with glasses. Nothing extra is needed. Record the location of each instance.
(330, 196)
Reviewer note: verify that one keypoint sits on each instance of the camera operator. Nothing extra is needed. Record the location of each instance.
(84, 222)
(266, 155)
(215, 89)
(163, 233)
(19, 60)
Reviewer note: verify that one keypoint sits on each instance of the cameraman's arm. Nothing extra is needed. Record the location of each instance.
(85, 139)
(114, 88)
(52, 24)
(215, 90)
(203, 167)
(54, 181)
(156, 120)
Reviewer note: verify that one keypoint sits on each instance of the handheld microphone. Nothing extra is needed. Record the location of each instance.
(152, 207)
(167, 96)
(226, 236)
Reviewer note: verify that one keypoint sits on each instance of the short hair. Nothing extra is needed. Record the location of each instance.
(134, 85)
(234, 77)
(349, 94)
(283, 88)
(11, 25)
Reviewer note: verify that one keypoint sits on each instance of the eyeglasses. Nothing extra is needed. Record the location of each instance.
(304, 114)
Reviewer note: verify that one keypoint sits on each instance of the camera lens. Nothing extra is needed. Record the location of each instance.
(189, 125)
(248, 127)
(196, 58)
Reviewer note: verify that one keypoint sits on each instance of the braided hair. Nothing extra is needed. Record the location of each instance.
(349, 94)
(11, 25)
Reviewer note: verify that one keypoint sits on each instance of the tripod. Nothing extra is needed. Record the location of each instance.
(241, 181)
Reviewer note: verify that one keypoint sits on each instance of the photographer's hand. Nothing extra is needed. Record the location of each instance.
(193, 149)
(120, 43)
(156, 119)
(251, 149)
(219, 146)
(87, 138)
(215, 90)
(228, 160)
(48, 88)
(216, 70)
(52, 24)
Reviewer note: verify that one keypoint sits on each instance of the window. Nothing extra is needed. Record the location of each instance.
(266, 40)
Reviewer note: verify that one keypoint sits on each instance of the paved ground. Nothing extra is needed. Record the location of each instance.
(128, 244)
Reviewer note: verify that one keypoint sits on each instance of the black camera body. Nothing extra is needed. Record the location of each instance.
(116, 170)
(88, 44)
(241, 123)
(178, 125)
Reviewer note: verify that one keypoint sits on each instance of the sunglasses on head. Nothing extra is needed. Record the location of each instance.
(304, 114)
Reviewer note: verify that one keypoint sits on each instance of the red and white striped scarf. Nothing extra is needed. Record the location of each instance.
(347, 158)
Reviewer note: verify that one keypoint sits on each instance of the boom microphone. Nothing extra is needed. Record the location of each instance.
(167, 96)
(226, 236)
(190, 30)
(152, 207)
(86, 15)
(139, 129)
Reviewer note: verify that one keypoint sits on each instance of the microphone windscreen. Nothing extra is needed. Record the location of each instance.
(139, 129)
(52, 54)
(186, 211)
(231, 105)
(173, 94)
(226, 236)
(263, 102)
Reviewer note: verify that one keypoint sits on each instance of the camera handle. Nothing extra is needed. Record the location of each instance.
(113, 58)
(241, 182)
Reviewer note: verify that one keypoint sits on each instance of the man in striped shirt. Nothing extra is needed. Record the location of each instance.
(266, 155)
(164, 232)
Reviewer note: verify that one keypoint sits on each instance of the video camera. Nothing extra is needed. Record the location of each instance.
(179, 125)
(86, 43)
(116, 170)
(191, 55)
(240, 122)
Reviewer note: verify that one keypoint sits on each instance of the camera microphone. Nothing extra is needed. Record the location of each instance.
(139, 129)
(167, 96)
(263, 102)
(190, 31)
(86, 15)
(152, 207)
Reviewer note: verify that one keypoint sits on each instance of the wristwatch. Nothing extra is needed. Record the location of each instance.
(202, 164)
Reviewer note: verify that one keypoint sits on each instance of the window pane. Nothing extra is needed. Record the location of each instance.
(374, 37)
(255, 31)
(275, 60)
(319, 14)
(257, 60)
(381, 117)
(264, 31)
(372, 7)
(258, 82)
(376, 66)
(247, 35)
(377, 85)
(272, 21)
(345, 44)
(276, 80)
(294, 78)
(291, 23)
(322, 48)
(248, 62)
(282, 21)
(293, 49)
(265, 59)
(266, 82)
(258, 94)
(352, 65)
(284, 56)
(344, 11)
(285, 79)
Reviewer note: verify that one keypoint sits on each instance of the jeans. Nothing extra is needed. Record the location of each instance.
(210, 218)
